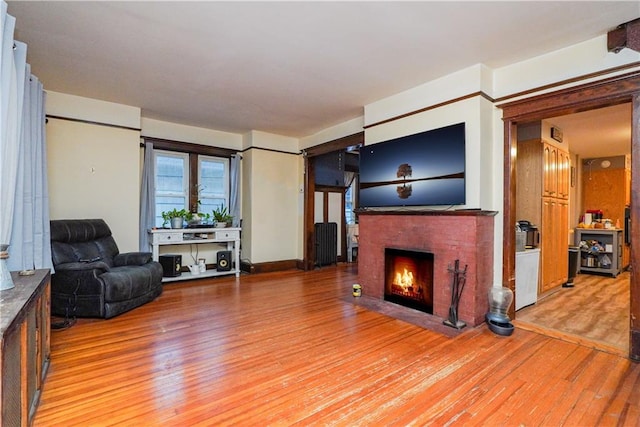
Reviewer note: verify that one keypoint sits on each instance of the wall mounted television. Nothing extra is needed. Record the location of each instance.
(424, 169)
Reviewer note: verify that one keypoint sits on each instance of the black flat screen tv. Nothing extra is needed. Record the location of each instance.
(424, 169)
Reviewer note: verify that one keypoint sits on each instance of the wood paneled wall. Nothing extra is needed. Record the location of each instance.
(608, 191)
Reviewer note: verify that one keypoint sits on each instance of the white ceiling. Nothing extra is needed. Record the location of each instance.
(597, 133)
(290, 68)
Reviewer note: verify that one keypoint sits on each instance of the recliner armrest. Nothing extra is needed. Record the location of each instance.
(83, 266)
(132, 258)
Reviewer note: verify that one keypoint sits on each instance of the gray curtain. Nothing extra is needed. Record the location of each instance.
(348, 179)
(12, 76)
(24, 195)
(30, 234)
(147, 197)
(234, 196)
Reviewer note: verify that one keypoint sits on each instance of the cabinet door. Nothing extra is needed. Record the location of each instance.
(548, 244)
(562, 249)
(12, 379)
(564, 174)
(550, 165)
(554, 245)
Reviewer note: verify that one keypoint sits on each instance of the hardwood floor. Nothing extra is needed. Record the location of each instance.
(291, 349)
(595, 311)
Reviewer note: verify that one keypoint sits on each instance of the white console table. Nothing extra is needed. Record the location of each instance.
(197, 236)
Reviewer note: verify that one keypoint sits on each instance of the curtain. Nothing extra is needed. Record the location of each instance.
(12, 69)
(348, 179)
(234, 202)
(24, 220)
(147, 197)
(31, 238)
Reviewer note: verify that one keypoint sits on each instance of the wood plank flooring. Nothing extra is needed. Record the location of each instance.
(291, 349)
(595, 311)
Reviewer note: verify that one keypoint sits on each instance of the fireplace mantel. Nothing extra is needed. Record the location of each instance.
(465, 235)
(425, 212)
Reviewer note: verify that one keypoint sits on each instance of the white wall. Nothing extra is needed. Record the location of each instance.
(192, 134)
(461, 83)
(272, 220)
(332, 133)
(93, 170)
(475, 112)
(580, 59)
(93, 110)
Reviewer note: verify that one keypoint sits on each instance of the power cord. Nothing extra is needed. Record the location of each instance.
(69, 317)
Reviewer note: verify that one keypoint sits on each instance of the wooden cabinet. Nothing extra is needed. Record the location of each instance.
(554, 246)
(543, 181)
(24, 346)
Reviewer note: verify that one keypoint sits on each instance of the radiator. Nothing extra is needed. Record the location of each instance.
(326, 243)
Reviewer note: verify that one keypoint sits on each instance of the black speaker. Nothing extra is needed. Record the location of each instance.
(170, 265)
(223, 261)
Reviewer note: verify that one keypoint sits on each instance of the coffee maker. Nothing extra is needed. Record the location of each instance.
(533, 235)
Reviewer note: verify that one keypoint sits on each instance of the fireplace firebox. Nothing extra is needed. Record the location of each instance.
(409, 278)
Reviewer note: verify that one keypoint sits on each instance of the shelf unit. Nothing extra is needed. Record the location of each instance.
(608, 238)
(197, 236)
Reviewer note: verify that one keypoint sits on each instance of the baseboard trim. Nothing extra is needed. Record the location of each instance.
(270, 267)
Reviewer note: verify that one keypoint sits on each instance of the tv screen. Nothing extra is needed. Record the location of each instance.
(423, 169)
(329, 169)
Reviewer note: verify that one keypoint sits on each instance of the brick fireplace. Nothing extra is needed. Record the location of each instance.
(463, 235)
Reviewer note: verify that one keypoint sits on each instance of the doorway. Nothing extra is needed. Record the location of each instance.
(595, 305)
(325, 202)
(589, 96)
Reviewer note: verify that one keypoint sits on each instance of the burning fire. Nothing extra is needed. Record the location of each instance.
(404, 280)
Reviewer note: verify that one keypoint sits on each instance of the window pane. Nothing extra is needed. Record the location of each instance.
(169, 174)
(170, 184)
(349, 204)
(214, 183)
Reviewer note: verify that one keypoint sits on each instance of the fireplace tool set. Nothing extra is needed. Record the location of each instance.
(459, 278)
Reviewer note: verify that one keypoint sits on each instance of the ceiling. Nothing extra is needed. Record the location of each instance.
(289, 68)
(604, 132)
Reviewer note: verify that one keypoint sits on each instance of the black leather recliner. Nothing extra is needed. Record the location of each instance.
(91, 278)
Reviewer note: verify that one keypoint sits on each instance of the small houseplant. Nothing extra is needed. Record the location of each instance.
(175, 217)
(221, 216)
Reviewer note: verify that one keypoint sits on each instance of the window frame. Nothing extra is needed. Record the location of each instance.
(193, 151)
(227, 178)
(185, 178)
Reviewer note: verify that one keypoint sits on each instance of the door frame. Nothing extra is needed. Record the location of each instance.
(356, 139)
(598, 94)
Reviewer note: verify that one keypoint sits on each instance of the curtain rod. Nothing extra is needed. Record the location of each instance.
(90, 122)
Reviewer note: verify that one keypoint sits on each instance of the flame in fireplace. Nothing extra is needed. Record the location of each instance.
(404, 279)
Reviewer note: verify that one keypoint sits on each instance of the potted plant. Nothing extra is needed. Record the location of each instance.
(175, 217)
(221, 216)
(205, 218)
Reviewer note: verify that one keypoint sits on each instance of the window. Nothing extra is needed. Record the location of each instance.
(213, 183)
(171, 182)
(350, 202)
(173, 185)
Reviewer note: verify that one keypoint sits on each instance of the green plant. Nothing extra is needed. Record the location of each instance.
(167, 216)
(221, 214)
